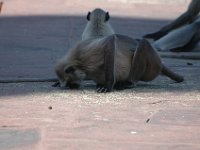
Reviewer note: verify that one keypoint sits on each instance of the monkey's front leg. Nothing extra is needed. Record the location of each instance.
(109, 64)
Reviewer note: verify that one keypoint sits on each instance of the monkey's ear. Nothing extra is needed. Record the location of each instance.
(69, 69)
(107, 16)
(88, 16)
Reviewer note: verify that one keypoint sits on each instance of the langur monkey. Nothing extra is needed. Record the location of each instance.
(182, 34)
(110, 60)
(97, 25)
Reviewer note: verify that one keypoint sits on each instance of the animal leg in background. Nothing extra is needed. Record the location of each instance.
(185, 18)
(178, 38)
(190, 45)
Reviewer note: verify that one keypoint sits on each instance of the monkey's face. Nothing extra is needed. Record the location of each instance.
(73, 77)
(69, 76)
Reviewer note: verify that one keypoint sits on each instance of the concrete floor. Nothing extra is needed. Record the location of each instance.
(35, 116)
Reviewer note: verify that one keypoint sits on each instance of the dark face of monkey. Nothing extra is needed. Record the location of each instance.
(70, 77)
(99, 14)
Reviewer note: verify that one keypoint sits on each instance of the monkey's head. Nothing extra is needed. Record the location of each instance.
(69, 76)
(98, 14)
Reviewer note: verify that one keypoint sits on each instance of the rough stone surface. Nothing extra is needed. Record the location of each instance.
(159, 115)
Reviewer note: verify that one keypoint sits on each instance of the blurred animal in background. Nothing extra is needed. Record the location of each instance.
(182, 34)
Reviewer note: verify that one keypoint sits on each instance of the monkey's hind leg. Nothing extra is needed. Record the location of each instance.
(146, 63)
(190, 45)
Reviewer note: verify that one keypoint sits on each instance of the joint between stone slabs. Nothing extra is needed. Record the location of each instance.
(20, 80)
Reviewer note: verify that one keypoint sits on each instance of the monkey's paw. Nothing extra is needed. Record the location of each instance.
(103, 89)
(56, 84)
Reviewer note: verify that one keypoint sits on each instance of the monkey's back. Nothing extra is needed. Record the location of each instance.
(91, 55)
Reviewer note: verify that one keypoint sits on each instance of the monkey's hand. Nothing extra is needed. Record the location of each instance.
(103, 89)
(56, 84)
(155, 36)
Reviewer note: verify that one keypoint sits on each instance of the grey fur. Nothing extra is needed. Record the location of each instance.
(113, 59)
(176, 38)
(97, 26)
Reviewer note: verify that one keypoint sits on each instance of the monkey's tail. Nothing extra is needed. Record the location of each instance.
(166, 71)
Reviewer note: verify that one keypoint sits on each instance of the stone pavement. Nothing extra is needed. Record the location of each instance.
(159, 115)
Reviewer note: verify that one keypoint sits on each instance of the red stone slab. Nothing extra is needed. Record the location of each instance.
(110, 126)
